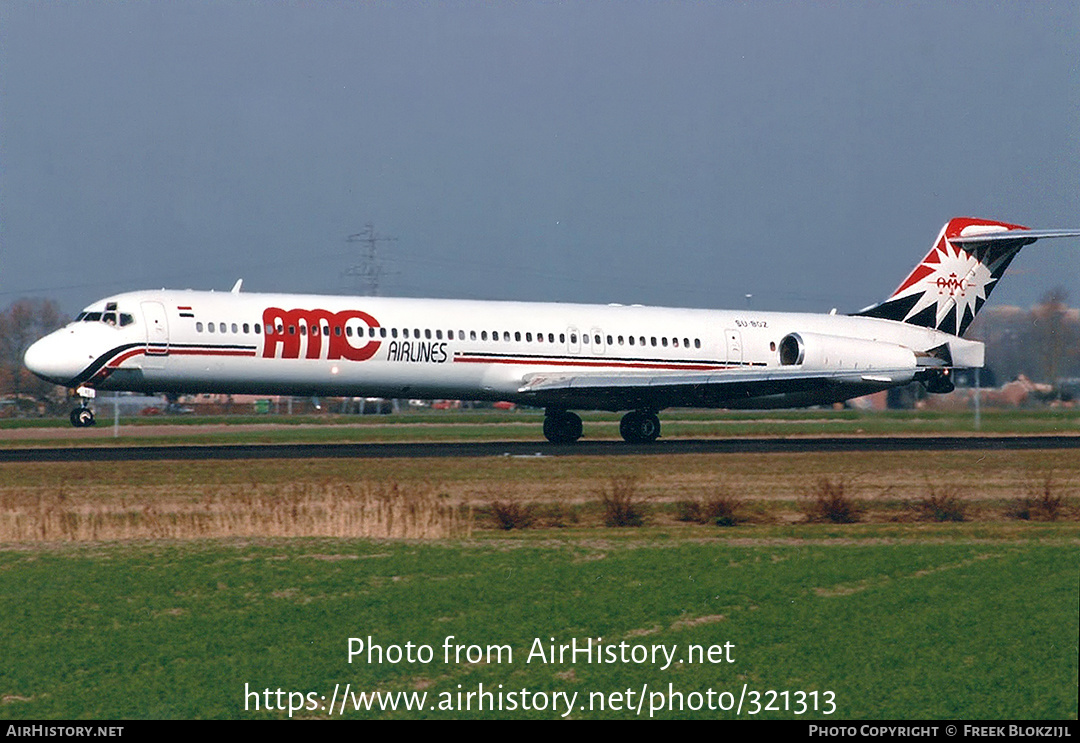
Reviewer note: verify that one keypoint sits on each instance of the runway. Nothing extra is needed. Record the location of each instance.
(671, 447)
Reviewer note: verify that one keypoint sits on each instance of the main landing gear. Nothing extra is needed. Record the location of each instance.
(636, 427)
(639, 427)
(562, 426)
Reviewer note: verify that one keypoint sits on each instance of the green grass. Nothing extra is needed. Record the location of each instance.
(526, 425)
(900, 621)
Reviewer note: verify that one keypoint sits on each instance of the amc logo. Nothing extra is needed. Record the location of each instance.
(291, 329)
(951, 285)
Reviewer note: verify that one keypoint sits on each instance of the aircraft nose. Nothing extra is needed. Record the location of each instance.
(53, 359)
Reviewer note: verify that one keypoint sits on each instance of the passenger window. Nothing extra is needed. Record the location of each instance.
(382, 332)
(438, 335)
(528, 337)
(393, 333)
(258, 326)
(517, 336)
(631, 340)
(247, 328)
(472, 335)
(663, 342)
(303, 330)
(234, 328)
(210, 327)
(506, 336)
(427, 333)
(697, 343)
(653, 340)
(221, 327)
(562, 337)
(198, 327)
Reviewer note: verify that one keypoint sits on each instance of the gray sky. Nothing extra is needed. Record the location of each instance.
(664, 153)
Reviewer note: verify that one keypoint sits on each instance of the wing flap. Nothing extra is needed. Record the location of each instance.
(736, 388)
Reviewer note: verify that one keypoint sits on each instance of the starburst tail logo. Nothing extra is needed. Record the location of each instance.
(953, 281)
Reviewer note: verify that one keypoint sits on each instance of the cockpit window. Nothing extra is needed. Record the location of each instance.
(110, 316)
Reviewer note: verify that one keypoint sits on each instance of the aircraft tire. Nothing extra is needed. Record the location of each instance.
(639, 427)
(82, 417)
(562, 427)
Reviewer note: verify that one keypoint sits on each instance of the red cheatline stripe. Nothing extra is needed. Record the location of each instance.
(182, 352)
(124, 357)
(607, 364)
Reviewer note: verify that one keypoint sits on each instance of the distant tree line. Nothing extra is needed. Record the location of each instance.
(1042, 343)
(21, 323)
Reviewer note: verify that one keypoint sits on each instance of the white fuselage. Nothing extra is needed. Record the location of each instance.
(196, 341)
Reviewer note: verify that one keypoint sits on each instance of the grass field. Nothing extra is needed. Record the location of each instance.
(456, 425)
(896, 622)
(168, 591)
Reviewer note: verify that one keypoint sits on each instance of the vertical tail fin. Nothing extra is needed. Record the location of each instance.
(952, 283)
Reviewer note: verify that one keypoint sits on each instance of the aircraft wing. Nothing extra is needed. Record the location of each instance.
(733, 389)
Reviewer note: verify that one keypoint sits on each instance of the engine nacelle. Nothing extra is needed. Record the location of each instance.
(834, 353)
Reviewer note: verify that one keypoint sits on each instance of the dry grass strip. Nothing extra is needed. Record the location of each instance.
(332, 509)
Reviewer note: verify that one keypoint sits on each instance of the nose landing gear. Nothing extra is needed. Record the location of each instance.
(83, 416)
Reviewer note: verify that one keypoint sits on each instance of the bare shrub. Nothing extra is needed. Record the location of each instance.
(828, 501)
(688, 510)
(1043, 502)
(511, 515)
(719, 509)
(723, 510)
(621, 503)
(942, 504)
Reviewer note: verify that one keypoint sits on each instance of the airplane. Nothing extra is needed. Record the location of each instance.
(561, 357)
